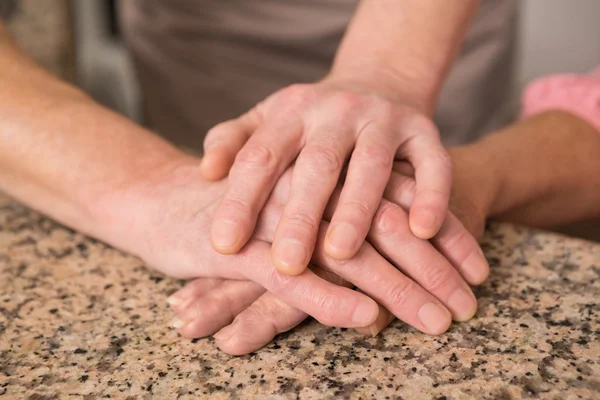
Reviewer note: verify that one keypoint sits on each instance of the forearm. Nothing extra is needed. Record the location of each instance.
(403, 47)
(540, 172)
(60, 152)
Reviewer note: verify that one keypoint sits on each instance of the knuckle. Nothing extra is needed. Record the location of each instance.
(259, 313)
(296, 94)
(450, 241)
(257, 157)
(422, 124)
(235, 206)
(441, 158)
(435, 277)
(344, 100)
(376, 154)
(323, 159)
(301, 220)
(386, 111)
(403, 193)
(329, 306)
(202, 285)
(277, 314)
(345, 268)
(216, 309)
(278, 283)
(390, 218)
(359, 210)
(400, 293)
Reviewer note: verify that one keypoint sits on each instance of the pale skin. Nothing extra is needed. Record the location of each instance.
(528, 173)
(93, 170)
(374, 106)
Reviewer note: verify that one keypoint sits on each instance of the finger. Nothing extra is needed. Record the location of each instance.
(255, 171)
(433, 173)
(368, 173)
(316, 173)
(267, 317)
(375, 276)
(383, 320)
(453, 240)
(460, 247)
(419, 260)
(224, 141)
(208, 313)
(328, 303)
(257, 325)
(193, 289)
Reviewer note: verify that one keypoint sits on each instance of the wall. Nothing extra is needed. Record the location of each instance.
(558, 36)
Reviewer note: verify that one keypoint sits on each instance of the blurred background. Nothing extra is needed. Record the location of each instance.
(81, 42)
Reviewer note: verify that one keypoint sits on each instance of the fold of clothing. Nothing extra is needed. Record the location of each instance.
(200, 62)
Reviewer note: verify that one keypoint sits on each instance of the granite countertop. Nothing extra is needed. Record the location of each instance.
(80, 320)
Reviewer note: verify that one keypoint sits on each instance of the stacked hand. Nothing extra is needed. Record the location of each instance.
(310, 217)
(425, 283)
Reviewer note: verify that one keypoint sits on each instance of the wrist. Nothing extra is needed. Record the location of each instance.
(129, 215)
(383, 83)
(476, 180)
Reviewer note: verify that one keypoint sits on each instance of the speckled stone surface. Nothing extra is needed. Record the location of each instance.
(79, 320)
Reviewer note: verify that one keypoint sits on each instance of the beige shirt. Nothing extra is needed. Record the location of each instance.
(200, 62)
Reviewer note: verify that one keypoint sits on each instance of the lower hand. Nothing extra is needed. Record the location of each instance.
(248, 316)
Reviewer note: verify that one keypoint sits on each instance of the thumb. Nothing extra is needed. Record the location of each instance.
(223, 142)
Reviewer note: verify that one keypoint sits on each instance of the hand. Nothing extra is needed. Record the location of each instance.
(320, 126)
(206, 306)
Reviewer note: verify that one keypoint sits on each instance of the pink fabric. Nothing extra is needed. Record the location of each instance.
(576, 94)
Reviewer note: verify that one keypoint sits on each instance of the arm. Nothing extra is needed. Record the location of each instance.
(403, 48)
(542, 171)
(60, 151)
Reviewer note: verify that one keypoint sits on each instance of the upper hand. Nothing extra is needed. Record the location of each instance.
(321, 126)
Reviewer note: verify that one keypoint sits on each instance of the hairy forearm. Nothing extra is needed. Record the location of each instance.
(404, 47)
(60, 152)
(541, 172)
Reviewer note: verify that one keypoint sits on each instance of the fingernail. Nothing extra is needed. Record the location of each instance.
(462, 304)
(370, 330)
(290, 256)
(374, 331)
(365, 313)
(225, 333)
(435, 318)
(177, 323)
(476, 267)
(426, 220)
(342, 240)
(225, 235)
(174, 300)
